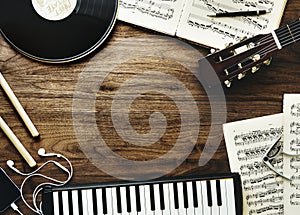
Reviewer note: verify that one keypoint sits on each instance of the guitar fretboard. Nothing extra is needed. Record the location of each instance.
(289, 34)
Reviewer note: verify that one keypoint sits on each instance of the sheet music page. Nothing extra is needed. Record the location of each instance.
(246, 142)
(291, 111)
(158, 15)
(196, 26)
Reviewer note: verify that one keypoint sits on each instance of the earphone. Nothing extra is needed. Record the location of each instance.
(39, 188)
(42, 153)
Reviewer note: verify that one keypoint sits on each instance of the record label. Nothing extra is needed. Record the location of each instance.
(57, 31)
(54, 9)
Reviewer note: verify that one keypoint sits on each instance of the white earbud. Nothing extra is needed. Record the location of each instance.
(52, 181)
(42, 153)
(11, 164)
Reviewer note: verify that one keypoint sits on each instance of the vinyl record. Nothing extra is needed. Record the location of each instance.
(57, 31)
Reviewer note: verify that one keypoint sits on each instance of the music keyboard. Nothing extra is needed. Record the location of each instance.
(208, 195)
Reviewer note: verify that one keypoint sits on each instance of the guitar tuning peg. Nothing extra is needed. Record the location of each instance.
(227, 83)
(228, 45)
(268, 62)
(241, 75)
(256, 57)
(254, 69)
(243, 38)
(212, 51)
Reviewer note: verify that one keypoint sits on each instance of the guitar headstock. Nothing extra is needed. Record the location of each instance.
(236, 60)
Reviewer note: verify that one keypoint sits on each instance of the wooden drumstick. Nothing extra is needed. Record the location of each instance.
(14, 100)
(19, 146)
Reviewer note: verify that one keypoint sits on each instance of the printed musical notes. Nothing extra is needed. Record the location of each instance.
(188, 18)
(291, 111)
(159, 15)
(196, 26)
(246, 142)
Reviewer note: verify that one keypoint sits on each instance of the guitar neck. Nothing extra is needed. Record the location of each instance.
(234, 61)
(287, 35)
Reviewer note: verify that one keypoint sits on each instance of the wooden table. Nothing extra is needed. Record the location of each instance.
(47, 93)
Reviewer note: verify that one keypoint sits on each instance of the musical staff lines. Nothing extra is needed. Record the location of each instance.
(195, 25)
(291, 110)
(159, 15)
(247, 141)
(155, 8)
(188, 18)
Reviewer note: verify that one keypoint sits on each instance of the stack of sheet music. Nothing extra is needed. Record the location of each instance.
(247, 141)
(188, 18)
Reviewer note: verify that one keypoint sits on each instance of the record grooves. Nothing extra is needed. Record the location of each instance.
(59, 40)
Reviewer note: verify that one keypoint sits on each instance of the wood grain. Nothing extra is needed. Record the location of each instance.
(46, 92)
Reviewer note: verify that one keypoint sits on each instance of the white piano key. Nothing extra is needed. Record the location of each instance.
(142, 200)
(55, 203)
(110, 209)
(199, 209)
(99, 201)
(215, 207)
(167, 210)
(191, 209)
(75, 202)
(133, 200)
(123, 201)
(65, 201)
(114, 201)
(84, 202)
(206, 208)
(157, 200)
(230, 196)
(148, 200)
(173, 210)
(90, 204)
(223, 207)
(181, 209)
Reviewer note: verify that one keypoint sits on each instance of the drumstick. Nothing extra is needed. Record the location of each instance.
(14, 100)
(12, 137)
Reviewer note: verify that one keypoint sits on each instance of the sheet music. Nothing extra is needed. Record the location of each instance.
(196, 26)
(158, 15)
(247, 142)
(291, 110)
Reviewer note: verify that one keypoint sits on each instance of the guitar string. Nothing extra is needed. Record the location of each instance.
(286, 41)
(283, 30)
(273, 46)
(285, 38)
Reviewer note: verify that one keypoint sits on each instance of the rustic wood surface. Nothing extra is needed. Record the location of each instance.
(46, 92)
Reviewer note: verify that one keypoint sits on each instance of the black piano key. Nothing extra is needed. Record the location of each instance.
(119, 204)
(104, 201)
(152, 201)
(162, 198)
(80, 202)
(185, 195)
(176, 202)
(195, 195)
(128, 200)
(209, 197)
(95, 209)
(219, 196)
(70, 200)
(138, 198)
(61, 210)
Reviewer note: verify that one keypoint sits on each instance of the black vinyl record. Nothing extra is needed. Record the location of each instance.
(57, 39)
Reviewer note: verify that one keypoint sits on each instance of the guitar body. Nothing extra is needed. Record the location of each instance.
(33, 28)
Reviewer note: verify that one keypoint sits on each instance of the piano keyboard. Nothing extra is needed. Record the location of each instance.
(218, 195)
